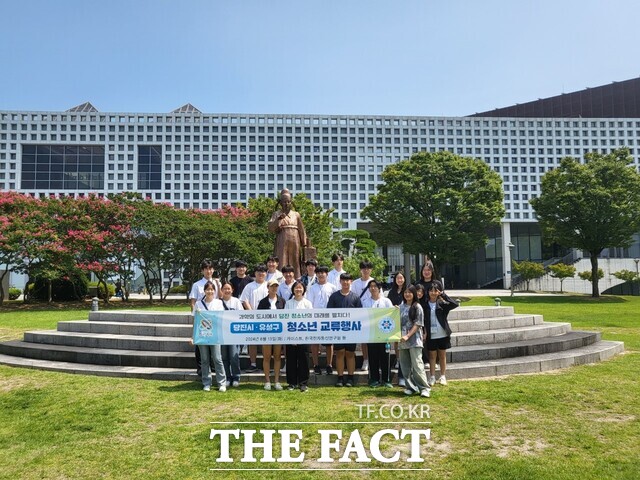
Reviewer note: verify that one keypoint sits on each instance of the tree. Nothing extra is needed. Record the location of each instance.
(562, 271)
(439, 203)
(358, 246)
(528, 270)
(627, 276)
(590, 206)
(587, 275)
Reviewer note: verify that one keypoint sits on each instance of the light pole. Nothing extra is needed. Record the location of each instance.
(511, 247)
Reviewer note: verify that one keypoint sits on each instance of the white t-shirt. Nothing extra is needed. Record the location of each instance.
(197, 289)
(233, 303)
(319, 295)
(436, 330)
(284, 290)
(277, 275)
(382, 302)
(253, 293)
(334, 277)
(359, 285)
(202, 306)
(294, 304)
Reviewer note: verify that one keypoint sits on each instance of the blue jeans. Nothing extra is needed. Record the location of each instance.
(209, 353)
(231, 360)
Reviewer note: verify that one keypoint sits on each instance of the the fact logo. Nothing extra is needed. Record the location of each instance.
(381, 441)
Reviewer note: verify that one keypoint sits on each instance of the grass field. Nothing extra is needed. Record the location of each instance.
(579, 423)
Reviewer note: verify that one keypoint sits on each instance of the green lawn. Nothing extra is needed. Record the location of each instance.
(579, 423)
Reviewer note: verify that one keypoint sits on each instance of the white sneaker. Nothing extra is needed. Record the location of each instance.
(206, 388)
(267, 386)
(365, 366)
(284, 369)
(402, 382)
(222, 388)
(442, 380)
(278, 387)
(228, 383)
(432, 380)
(425, 393)
(235, 384)
(408, 391)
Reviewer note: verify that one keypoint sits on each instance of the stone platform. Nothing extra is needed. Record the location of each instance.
(486, 341)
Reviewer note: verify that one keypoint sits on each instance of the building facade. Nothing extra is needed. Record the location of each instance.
(197, 160)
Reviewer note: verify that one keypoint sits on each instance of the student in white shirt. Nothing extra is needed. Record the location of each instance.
(298, 355)
(318, 294)
(378, 354)
(211, 353)
(251, 296)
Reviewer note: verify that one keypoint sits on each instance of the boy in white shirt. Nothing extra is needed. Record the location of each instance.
(251, 296)
(334, 275)
(318, 294)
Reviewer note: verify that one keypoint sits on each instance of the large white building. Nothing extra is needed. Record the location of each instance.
(199, 160)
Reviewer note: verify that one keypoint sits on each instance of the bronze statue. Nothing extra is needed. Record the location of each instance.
(290, 234)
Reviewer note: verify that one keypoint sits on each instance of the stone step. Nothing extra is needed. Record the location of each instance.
(138, 316)
(185, 358)
(180, 330)
(127, 328)
(596, 352)
(495, 351)
(494, 323)
(110, 341)
(505, 335)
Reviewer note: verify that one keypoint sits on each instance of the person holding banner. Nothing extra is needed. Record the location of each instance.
(298, 355)
(378, 353)
(271, 302)
(210, 353)
(345, 298)
(230, 353)
(412, 323)
(360, 287)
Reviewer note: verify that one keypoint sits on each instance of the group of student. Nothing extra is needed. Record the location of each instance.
(424, 307)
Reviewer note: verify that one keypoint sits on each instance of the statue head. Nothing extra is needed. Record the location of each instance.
(285, 200)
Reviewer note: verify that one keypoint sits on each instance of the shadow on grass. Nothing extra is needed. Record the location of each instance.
(562, 299)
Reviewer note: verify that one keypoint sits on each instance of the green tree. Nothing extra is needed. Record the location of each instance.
(627, 276)
(359, 247)
(590, 206)
(562, 271)
(587, 275)
(440, 204)
(528, 270)
(319, 225)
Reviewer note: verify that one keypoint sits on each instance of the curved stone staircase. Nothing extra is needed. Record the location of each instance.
(487, 341)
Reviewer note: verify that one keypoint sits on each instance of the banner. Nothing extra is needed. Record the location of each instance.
(282, 327)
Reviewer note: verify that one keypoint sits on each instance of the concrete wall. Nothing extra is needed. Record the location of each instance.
(576, 285)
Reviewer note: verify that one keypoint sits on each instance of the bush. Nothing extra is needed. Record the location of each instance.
(93, 290)
(178, 289)
(14, 293)
(65, 289)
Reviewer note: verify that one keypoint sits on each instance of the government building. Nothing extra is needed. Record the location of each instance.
(200, 160)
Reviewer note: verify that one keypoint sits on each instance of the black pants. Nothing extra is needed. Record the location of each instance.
(297, 357)
(378, 360)
(198, 361)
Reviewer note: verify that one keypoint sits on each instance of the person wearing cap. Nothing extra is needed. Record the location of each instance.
(241, 279)
(438, 332)
(310, 277)
(360, 287)
(251, 296)
(272, 301)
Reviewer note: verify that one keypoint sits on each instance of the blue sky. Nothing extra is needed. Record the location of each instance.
(393, 57)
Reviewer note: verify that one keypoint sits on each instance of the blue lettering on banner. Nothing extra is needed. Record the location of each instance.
(256, 327)
(336, 326)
